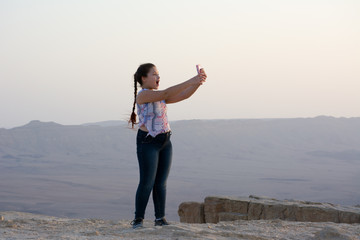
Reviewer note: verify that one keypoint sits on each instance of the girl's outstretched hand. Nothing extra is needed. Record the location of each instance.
(202, 76)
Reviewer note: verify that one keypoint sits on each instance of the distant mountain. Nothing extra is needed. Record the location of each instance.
(111, 123)
(51, 138)
(320, 136)
(39, 124)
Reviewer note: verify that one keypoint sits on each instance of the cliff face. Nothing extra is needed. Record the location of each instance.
(216, 209)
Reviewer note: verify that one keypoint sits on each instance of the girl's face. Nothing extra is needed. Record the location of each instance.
(151, 81)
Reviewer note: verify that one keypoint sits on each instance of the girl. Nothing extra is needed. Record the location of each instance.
(153, 145)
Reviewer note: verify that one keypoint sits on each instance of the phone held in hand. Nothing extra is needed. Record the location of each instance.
(198, 68)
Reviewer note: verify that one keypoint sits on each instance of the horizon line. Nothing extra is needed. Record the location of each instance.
(179, 120)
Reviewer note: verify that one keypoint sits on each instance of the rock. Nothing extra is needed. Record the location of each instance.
(217, 209)
(215, 205)
(255, 210)
(191, 212)
(212, 207)
(228, 216)
(2, 218)
(317, 214)
(349, 217)
(331, 233)
(96, 233)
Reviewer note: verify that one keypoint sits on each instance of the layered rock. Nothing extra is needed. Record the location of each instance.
(191, 212)
(215, 209)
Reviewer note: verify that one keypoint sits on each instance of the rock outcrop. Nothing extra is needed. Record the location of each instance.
(191, 212)
(216, 209)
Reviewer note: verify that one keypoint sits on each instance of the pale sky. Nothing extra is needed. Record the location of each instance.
(73, 62)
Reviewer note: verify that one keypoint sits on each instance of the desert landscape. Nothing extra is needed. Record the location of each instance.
(91, 171)
(79, 181)
(267, 148)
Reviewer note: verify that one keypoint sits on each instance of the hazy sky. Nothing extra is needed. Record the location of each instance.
(73, 61)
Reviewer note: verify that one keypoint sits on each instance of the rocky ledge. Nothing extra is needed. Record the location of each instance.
(20, 226)
(216, 209)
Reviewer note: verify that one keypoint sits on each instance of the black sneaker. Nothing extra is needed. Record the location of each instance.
(137, 222)
(161, 222)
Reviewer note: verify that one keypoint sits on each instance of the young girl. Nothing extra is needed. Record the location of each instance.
(154, 149)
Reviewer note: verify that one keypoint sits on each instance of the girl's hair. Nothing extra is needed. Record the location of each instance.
(142, 71)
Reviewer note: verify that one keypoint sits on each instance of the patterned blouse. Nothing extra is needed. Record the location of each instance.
(154, 116)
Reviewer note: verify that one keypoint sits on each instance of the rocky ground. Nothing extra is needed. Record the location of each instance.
(19, 225)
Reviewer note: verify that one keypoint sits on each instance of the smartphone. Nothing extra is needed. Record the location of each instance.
(198, 68)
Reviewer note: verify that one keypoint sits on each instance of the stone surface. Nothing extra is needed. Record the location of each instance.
(191, 212)
(215, 205)
(349, 217)
(20, 226)
(230, 216)
(217, 209)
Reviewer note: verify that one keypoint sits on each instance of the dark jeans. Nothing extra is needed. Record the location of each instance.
(154, 156)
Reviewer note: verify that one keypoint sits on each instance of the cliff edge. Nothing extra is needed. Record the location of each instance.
(216, 209)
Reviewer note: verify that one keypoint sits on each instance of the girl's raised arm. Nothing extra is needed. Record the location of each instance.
(154, 96)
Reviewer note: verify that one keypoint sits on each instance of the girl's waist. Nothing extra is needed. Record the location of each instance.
(144, 132)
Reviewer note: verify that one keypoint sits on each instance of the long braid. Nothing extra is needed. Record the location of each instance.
(133, 114)
(142, 71)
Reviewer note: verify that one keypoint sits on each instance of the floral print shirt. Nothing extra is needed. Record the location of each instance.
(154, 116)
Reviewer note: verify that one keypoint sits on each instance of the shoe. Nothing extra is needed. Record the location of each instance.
(137, 222)
(161, 222)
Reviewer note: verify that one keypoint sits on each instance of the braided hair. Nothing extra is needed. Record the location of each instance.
(142, 71)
